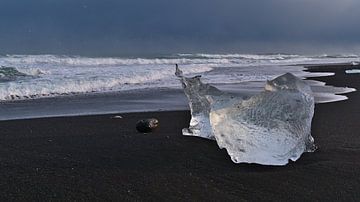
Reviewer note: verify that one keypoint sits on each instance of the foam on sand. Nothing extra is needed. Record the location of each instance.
(353, 71)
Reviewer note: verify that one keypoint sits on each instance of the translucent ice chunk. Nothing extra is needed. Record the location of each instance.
(196, 92)
(269, 128)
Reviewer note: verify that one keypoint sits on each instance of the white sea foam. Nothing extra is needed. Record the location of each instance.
(52, 75)
(80, 80)
(353, 71)
(30, 60)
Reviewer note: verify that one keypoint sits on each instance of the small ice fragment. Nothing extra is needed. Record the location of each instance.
(353, 71)
(117, 117)
(354, 63)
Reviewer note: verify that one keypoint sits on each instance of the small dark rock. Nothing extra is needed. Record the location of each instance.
(147, 125)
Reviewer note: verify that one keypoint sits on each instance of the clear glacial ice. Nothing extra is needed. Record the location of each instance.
(268, 128)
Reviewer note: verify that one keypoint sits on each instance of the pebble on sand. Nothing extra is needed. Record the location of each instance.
(147, 125)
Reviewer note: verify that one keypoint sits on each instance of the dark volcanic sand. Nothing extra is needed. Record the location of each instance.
(99, 158)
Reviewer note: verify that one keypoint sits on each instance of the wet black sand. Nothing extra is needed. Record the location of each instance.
(99, 158)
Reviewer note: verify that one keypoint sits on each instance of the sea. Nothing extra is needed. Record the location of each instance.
(35, 86)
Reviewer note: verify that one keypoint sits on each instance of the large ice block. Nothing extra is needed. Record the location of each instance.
(269, 128)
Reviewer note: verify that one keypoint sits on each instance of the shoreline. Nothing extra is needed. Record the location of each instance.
(130, 101)
(99, 158)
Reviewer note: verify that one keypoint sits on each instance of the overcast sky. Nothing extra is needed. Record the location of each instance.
(138, 27)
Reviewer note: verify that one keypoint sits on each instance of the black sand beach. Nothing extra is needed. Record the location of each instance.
(99, 158)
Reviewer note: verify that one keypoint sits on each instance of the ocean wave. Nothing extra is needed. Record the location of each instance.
(212, 60)
(10, 74)
(266, 56)
(242, 56)
(338, 56)
(32, 76)
(86, 61)
(82, 80)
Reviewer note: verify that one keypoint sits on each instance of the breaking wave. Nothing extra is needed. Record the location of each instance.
(34, 76)
(9, 74)
(12, 74)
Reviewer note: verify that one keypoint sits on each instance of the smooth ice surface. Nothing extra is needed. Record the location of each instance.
(268, 128)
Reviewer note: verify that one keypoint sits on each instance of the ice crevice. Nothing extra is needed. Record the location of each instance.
(269, 128)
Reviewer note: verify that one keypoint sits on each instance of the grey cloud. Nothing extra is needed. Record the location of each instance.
(140, 26)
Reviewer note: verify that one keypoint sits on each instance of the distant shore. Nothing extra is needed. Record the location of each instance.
(101, 158)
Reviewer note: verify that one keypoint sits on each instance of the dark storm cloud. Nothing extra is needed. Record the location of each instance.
(156, 26)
